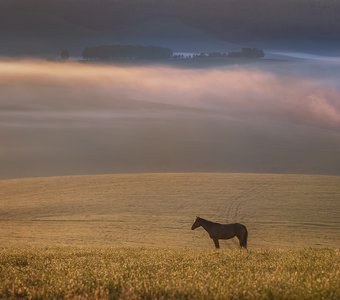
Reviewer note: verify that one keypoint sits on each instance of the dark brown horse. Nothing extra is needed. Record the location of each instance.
(219, 231)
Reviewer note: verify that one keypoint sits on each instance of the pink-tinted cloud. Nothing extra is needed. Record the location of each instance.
(230, 92)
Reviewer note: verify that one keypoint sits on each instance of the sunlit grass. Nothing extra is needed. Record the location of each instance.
(137, 273)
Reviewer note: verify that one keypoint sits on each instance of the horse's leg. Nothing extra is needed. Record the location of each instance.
(217, 244)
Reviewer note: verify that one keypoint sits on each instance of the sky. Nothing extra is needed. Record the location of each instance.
(41, 28)
(73, 118)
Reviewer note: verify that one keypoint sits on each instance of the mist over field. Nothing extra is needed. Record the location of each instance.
(73, 118)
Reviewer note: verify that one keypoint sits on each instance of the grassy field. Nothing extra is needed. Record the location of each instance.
(128, 237)
(135, 273)
(157, 210)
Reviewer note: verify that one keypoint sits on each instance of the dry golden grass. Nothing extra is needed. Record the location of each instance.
(135, 273)
(129, 237)
(157, 210)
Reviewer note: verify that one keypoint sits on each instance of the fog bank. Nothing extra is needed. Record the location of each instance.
(71, 118)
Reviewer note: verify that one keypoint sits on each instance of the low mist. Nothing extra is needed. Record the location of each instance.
(73, 118)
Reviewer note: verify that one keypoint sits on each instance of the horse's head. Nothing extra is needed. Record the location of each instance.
(196, 224)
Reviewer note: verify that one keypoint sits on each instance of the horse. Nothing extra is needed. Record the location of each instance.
(219, 231)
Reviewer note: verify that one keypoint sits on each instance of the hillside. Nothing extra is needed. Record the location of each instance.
(157, 210)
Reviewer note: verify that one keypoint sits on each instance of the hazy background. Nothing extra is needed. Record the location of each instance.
(73, 118)
(281, 114)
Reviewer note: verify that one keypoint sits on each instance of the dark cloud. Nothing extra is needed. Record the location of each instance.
(45, 27)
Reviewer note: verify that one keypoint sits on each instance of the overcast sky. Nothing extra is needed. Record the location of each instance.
(42, 28)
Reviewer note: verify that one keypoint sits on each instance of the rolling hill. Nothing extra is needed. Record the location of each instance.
(157, 210)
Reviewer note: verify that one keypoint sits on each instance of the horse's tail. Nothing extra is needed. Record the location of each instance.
(245, 237)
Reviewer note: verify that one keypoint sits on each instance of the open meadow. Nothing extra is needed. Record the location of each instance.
(157, 210)
(127, 236)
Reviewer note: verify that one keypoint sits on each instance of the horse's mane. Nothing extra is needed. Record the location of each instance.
(208, 222)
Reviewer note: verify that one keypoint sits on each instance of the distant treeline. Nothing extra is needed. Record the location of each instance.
(111, 52)
(248, 52)
(244, 53)
(130, 52)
